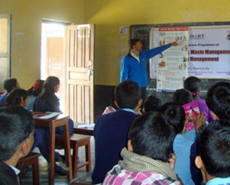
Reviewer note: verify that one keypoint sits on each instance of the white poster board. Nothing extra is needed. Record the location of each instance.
(208, 53)
(172, 65)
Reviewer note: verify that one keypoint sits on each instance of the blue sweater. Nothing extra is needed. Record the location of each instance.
(3, 99)
(182, 149)
(111, 135)
(132, 69)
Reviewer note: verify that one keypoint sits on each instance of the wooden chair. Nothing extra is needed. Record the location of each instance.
(52, 123)
(76, 141)
(30, 159)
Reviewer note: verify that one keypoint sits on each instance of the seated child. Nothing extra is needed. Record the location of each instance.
(183, 96)
(152, 103)
(19, 97)
(33, 93)
(48, 101)
(214, 153)
(218, 100)
(16, 139)
(9, 85)
(174, 112)
(149, 157)
(111, 130)
(194, 85)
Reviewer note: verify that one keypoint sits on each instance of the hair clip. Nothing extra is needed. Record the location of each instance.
(194, 94)
(37, 84)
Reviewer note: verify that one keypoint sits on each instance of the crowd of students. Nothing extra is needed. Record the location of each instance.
(152, 147)
(39, 97)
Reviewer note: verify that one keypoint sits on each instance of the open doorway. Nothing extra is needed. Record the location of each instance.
(52, 62)
(67, 51)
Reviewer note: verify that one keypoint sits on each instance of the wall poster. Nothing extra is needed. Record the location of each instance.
(172, 64)
(208, 54)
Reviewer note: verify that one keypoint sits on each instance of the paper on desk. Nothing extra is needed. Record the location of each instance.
(46, 115)
(86, 125)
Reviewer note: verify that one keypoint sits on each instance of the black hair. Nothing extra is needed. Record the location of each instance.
(214, 148)
(37, 88)
(218, 99)
(16, 124)
(16, 96)
(49, 87)
(152, 103)
(127, 94)
(193, 84)
(152, 135)
(174, 112)
(9, 84)
(182, 96)
(133, 42)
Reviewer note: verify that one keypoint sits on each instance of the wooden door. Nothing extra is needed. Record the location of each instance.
(79, 59)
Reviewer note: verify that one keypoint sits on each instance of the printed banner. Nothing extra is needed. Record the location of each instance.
(172, 64)
(209, 52)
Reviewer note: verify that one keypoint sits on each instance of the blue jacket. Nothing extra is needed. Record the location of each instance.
(136, 71)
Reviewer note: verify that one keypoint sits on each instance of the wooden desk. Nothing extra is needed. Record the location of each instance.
(52, 123)
(84, 131)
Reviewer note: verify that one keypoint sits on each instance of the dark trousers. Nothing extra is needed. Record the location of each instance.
(41, 140)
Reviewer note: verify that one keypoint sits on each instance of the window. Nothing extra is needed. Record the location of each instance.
(5, 26)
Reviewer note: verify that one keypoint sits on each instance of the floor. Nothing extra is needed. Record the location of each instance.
(82, 175)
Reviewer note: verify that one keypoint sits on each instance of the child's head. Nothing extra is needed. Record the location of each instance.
(193, 84)
(16, 132)
(127, 95)
(152, 135)
(10, 84)
(182, 96)
(218, 99)
(174, 112)
(37, 88)
(214, 149)
(152, 103)
(50, 87)
(17, 97)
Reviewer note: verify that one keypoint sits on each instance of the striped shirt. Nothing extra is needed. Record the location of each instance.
(119, 176)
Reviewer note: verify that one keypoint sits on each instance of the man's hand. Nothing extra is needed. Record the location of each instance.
(199, 121)
(172, 161)
(174, 43)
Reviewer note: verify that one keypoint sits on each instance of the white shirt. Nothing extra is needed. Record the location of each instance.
(17, 171)
(135, 56)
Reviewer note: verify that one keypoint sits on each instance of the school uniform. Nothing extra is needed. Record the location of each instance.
(8, 175)
(51, 104)
(111, 136)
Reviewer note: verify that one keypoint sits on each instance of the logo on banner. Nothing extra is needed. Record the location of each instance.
(228, 35)
(197, 36)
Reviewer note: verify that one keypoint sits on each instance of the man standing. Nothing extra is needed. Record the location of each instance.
(133, 65)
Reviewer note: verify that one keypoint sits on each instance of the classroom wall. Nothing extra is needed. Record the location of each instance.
(26, 31)
(109, 15)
